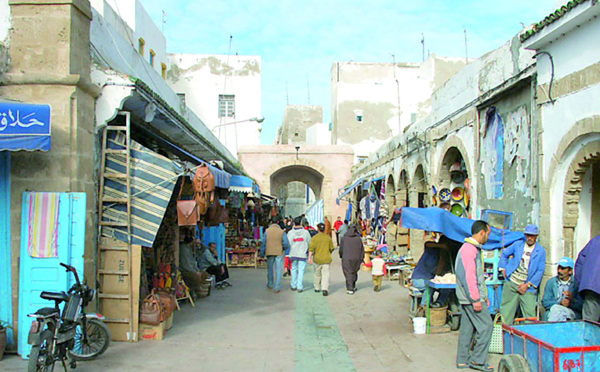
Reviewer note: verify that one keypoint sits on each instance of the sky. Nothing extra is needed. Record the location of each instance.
(299, 41)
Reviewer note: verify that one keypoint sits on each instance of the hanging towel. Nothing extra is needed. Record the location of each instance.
(43, 224)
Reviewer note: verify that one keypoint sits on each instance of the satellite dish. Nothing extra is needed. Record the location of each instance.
(150, 112)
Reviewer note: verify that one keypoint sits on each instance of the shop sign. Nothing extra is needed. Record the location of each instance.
(24, 126)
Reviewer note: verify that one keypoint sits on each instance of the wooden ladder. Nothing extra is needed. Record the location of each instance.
(114, 259)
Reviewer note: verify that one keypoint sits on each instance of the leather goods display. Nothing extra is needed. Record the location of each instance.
(167, 300)
(187, 210)
(151, 311)
(204, 187)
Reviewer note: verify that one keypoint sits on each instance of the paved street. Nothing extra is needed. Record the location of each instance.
(247, 327)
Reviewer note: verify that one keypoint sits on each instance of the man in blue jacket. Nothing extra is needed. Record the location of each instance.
(587, 277)
(560, 296)
(523, 264)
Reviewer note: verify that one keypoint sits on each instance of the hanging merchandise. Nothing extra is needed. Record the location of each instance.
(457, 209)
(458, 194)
(204, 186)
(187, 210)
(363, 207)
(445, 195)
(456, 173)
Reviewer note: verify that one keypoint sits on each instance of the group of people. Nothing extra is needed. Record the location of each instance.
(522, 264)
(301, 248)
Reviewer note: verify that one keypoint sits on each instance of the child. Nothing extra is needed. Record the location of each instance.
(378, 269)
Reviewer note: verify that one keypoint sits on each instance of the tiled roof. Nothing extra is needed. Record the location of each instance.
(557, 14)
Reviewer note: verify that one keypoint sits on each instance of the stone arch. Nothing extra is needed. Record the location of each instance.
(454, 141)
(586, 157)
(577, 152)
(390, 193)
(402, 188)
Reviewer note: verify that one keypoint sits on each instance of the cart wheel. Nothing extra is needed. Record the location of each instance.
(513, 363)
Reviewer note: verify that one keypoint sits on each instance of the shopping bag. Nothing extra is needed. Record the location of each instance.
(497, 344)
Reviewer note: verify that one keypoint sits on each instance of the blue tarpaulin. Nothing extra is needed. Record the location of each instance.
(455, 228)
(24, 126)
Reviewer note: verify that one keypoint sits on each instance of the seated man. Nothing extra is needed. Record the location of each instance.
(188, 265)
(560, 296)
(434, 261)
(208, 261)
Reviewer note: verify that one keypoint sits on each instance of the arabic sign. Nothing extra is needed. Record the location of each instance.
(24, 126)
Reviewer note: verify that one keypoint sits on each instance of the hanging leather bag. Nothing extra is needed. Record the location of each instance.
(151, 311)
(204, 187)
(187, 210)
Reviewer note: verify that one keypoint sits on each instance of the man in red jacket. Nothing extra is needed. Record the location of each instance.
(336, 226)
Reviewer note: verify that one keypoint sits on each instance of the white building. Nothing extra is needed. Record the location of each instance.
(372, 102)
(224, 91)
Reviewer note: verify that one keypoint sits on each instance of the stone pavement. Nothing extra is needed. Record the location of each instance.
(248, 327)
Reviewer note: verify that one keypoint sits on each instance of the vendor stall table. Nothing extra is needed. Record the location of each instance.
(431, 284)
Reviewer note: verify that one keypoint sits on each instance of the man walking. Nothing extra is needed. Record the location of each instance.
(523, 264)
(336, 226)
(299, 239)
(352, 253)
(327, 226)
(471, 292)
(320, 249)
(587, 277)
(274, 245)
(343, 230)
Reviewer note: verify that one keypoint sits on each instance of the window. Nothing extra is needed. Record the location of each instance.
(163, 69)
(226, 105)
(152, 55)
(141, 44)
(362, 159)
(413, 117)
(359, 115)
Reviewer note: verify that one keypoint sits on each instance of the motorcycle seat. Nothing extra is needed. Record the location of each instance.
(46, 311)
(55, 296)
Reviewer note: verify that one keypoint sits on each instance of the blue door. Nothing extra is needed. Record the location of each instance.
(6, 310)
(45, 274)
(215, 234)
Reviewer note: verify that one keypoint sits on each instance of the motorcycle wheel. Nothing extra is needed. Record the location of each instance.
(98, 339)
(39, 355)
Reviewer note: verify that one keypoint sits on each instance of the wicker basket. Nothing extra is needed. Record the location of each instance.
(438, 315)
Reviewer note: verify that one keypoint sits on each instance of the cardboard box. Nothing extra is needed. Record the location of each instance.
(169, 322)
(402, 240)
(149, 332)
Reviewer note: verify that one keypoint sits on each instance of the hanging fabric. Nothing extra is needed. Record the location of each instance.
(43, 224)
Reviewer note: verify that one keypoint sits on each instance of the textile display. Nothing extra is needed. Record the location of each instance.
(43, 224)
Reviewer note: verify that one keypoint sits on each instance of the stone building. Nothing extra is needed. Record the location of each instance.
(229, 102)
(521, 124)
(371, 102)
(94, 65)
(296, 121)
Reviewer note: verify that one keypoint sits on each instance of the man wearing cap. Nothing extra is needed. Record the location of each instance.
(523, 264)
(560, 295)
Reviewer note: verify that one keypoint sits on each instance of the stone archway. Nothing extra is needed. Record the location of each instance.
(587, 157)
(390, 194)
(301, 173)
(577, 153)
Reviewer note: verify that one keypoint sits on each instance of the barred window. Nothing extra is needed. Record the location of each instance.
(226, 105)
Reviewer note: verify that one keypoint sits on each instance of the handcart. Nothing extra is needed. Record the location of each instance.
(551, 347)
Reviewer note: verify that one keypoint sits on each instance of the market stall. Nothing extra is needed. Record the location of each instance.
(457, 229)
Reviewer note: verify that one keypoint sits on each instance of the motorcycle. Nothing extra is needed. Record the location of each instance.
(70, 336)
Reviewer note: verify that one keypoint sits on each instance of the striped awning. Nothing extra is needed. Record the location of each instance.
(315, 214)
(153, 179)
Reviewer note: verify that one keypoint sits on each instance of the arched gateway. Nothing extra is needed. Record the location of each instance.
(325, 169)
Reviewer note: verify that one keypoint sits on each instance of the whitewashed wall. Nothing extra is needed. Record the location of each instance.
(202, 78)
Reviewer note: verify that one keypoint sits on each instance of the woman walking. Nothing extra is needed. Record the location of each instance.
(352, 253)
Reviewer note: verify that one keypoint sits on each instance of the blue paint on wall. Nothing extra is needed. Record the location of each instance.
(6, 308)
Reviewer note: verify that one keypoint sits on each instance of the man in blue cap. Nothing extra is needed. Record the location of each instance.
(523, 264)
(560, 295)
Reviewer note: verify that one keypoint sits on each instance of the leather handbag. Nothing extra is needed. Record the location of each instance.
(167, 301)
(151, 311)
(187, 210)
